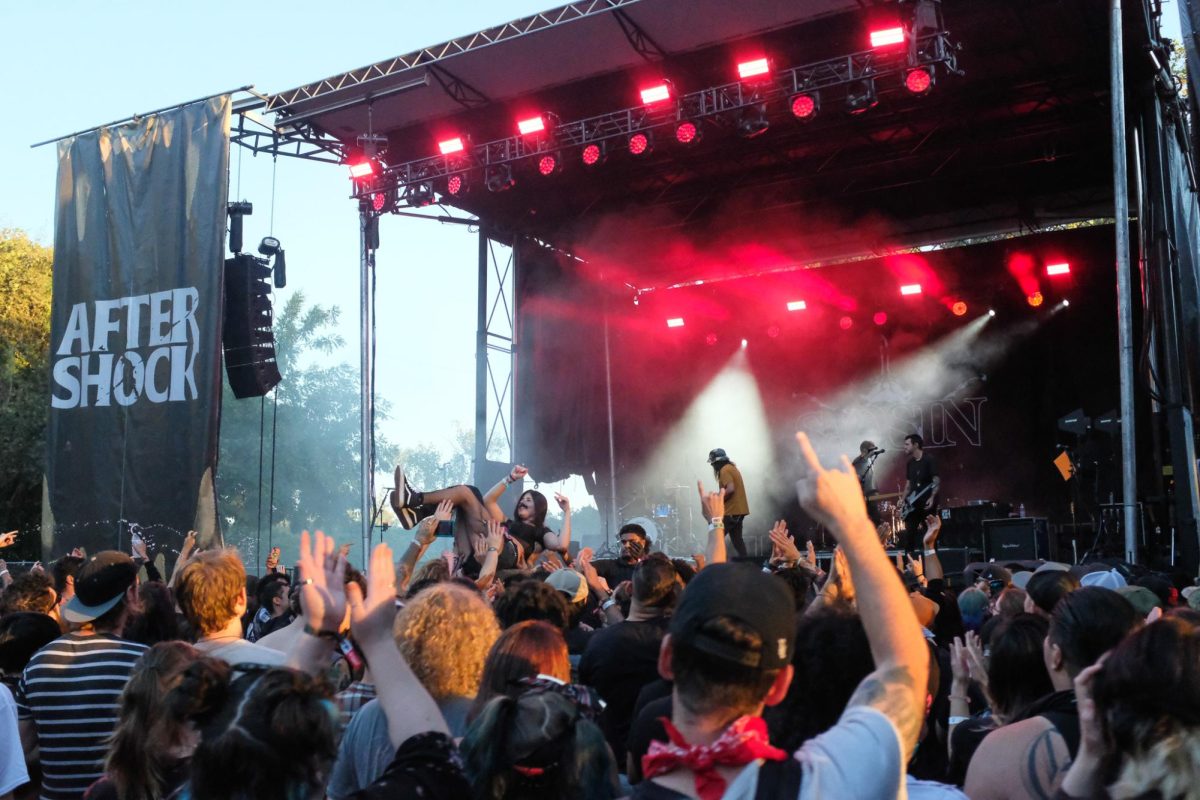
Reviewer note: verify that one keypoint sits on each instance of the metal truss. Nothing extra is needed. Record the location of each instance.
(431, 55)
(494, 376)
(299, 140)
(933, 51)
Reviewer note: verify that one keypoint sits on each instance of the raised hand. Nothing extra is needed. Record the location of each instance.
(518, 472)
(584, 563)
(79, 552)
(975, 659)
(444, 511)
(8, 539)
(189, 542)
(371, 617)
(960, 662)
(495, 536)
(273, 558)
(933, 528)
(712, 504)
(811, 554)
(37, 568)
(831, 497)
(563, 502)
(322, 582)
(783, 542)
(344, 551)
(701, 561)
(552, 561)
(427, 531)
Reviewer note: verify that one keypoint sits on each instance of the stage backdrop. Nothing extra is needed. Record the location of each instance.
(135, 332)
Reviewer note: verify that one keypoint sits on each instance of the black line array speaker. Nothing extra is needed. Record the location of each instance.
(1017, 539)
(248, 337)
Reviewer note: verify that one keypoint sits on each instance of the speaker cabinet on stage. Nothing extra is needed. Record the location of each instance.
(954, 561)
(962, 526)
(247, 336)
(1017, 539)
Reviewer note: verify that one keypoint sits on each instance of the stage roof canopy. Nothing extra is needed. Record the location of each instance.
(1018, 141)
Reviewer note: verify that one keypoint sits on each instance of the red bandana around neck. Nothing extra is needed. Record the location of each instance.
(742, 742)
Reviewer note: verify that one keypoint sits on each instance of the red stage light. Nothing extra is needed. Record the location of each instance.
(910, 289)
(448, 146)
(591, 155)
(887, 36)
(711, 339)
(1035, 299)
(639, 143)
(531, 125)
(656, 93)
(455, 184)
(846, 323)
(959, 309)
(362, 169)
(773, 331)
(378, 201)
(1061, 268)
(675, 322)
(752, 69)
(548, 164)
(686, 132)
(918, 81)
(804, 106)
(796, 305)
(880, 318)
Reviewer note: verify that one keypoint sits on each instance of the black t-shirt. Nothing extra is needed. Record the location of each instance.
(647, 727)
(921, 473)
(527, 535)
(615, 571)
(618, 662)
(425, 766)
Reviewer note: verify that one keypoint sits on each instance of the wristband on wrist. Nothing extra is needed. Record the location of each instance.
(931, 552)
(607, 604)
(717, 523)
(493, 549)
(956, 720)
(330, 635)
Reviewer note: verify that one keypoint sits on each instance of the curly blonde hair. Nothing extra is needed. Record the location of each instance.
(445, 634)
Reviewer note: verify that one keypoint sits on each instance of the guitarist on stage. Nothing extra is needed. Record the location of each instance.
(864, 467)
(920, 491)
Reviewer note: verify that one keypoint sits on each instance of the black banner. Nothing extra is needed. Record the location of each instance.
(135, 332)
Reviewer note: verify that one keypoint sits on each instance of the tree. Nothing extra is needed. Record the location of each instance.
(313, 419)
(25, 291)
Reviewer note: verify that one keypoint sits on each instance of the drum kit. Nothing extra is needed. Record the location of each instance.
(667, 517)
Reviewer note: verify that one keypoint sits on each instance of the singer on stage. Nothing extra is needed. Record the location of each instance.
(864, 466)
(729, 477)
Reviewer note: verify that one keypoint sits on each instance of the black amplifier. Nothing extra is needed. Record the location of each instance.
(962, 526)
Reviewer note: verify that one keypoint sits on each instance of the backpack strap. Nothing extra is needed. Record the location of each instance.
(779, 779)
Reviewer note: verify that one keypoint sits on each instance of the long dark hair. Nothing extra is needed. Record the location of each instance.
(540, 506)
(268, 735)
(139, 757)
(718, 464)
(537, 746)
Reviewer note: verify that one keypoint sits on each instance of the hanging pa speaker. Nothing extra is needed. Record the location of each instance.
(247, 336)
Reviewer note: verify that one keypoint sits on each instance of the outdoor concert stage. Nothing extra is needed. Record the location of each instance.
(694, 187)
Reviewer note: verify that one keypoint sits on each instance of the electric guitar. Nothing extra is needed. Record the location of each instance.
(910, 501)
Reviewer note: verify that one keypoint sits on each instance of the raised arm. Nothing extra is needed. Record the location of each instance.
(322, 603)
(562, 540)
(425, 534)
(490, 500)
(489, 559)
(712, 505)
(897, 686)
(933, 564)
(409, 708)
(185, 552)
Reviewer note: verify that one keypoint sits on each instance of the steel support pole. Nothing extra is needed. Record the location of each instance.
(611, 519)
(366, 377)
(1124, 287)
(481, 361)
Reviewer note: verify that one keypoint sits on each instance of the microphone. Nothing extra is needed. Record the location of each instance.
(878, 451)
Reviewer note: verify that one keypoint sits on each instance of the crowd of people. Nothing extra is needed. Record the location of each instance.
(511, 669)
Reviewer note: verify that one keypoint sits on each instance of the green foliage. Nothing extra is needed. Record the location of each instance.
(25, 290)
(315, 413)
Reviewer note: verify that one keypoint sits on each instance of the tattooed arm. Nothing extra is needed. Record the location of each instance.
(897, 687)
(1023, 761)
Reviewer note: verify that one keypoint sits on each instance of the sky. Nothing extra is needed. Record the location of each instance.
(72, 65)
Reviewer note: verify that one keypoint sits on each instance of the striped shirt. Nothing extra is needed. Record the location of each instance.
(72, 689)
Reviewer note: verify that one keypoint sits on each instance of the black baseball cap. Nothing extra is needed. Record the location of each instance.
(760, 601)
(717, 454)
(99, 585)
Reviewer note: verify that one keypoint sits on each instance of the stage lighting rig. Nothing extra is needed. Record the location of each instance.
(549, 164)
(919, 80)
(641, 143)
(753, 121)
(593, 154)
(687, 132)
(457, 184)
(499, 178)
(270, 247)
(419, 195)
(861, 96)
(805, 106)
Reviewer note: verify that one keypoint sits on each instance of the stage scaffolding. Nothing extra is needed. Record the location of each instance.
(394, 96)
